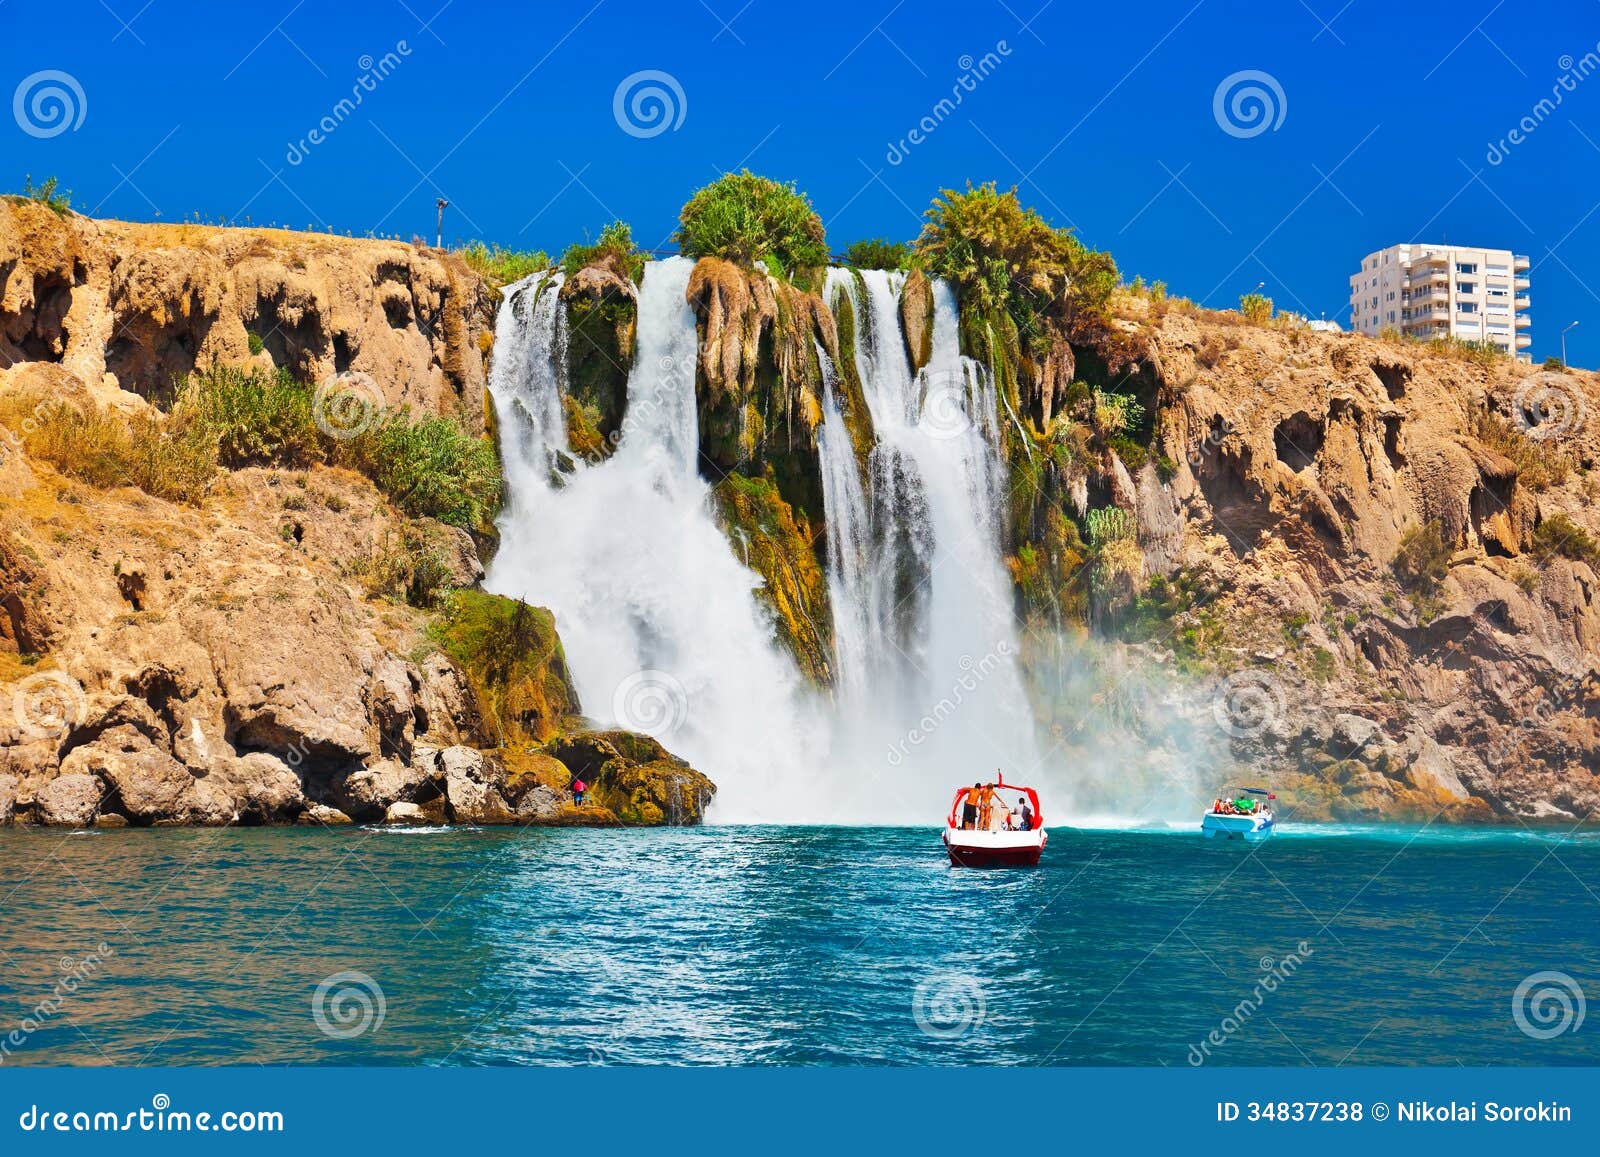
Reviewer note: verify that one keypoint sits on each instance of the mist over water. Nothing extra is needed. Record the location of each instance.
(659, 614)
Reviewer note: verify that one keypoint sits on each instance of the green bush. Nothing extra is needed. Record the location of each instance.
(406, 567)
(1003, 256)
(170, 460)
(1256, 308)
(1559, 535)
(614, 248)
(1422, 560)
(501, 266)
(254, 418)
(747, 219)
(233, 418)
(876, 253)
(1116, 415)
(58, 203)
(1109, 524)
(431, 468)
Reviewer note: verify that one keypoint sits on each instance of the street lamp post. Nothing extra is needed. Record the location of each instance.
(1564, 345)
(438, 239)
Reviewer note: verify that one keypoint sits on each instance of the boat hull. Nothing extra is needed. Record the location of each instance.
(969, 849)
(1252, 829)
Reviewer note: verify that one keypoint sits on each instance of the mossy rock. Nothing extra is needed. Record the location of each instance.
(602, 322)
(649, 792)
(848, 390)
(513, 659)
(778, 545)
(916, 318)
(526, 770)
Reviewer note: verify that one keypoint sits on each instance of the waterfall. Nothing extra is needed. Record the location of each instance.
(526, 377)
(845, 509)
(658, 610)
(947, 702)
(662, 629)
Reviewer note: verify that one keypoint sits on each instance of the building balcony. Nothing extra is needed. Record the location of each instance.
(1523, 341)
(1523, 321)
(1521, 262)
(1521, 283)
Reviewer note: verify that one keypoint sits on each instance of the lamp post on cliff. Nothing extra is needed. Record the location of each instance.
(1564, 345)
(438, 239)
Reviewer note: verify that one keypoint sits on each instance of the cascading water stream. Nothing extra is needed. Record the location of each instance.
(661, 627)
(948, 701)
(849, 544)
(657, 608)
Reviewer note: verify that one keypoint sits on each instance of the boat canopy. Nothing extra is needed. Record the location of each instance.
(1000, 784)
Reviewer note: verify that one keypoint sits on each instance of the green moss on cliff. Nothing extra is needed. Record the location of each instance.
(602, 322)
(634, 777)
(777, 544)
(512, 656)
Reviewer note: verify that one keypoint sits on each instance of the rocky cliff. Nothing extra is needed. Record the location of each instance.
(283, 643)
(1363, 570)
(1380, 557)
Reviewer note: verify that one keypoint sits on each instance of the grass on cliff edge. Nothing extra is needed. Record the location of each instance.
(229, 418)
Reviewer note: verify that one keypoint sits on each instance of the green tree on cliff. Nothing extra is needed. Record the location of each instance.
(747, 219)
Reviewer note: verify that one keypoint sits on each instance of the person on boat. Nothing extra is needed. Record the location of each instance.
(1024, 816)
(985, 806)
(578, 790)
(969, 808)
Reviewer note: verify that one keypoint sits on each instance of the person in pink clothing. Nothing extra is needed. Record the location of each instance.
(578, 788)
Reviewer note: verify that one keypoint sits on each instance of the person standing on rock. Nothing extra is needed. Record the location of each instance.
(578, 789)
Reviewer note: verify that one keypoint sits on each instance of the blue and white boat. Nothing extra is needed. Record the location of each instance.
(1247, 817)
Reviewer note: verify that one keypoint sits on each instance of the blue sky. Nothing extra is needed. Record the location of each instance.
(1104, 115)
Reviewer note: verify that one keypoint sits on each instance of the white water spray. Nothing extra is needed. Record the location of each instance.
(661, 626)
(658, 611)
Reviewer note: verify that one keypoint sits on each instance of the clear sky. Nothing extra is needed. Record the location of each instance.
(1392, 124)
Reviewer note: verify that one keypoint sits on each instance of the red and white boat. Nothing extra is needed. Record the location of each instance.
(1001, 844)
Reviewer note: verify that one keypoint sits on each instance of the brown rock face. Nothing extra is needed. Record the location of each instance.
(916, 318)
(69, 801)
(1302, 466)
(233, 661)
(126, 307)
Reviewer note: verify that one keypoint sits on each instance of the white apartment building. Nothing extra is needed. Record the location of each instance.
(1428, 291)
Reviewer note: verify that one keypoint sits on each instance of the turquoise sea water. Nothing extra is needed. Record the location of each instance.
(794, 946)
